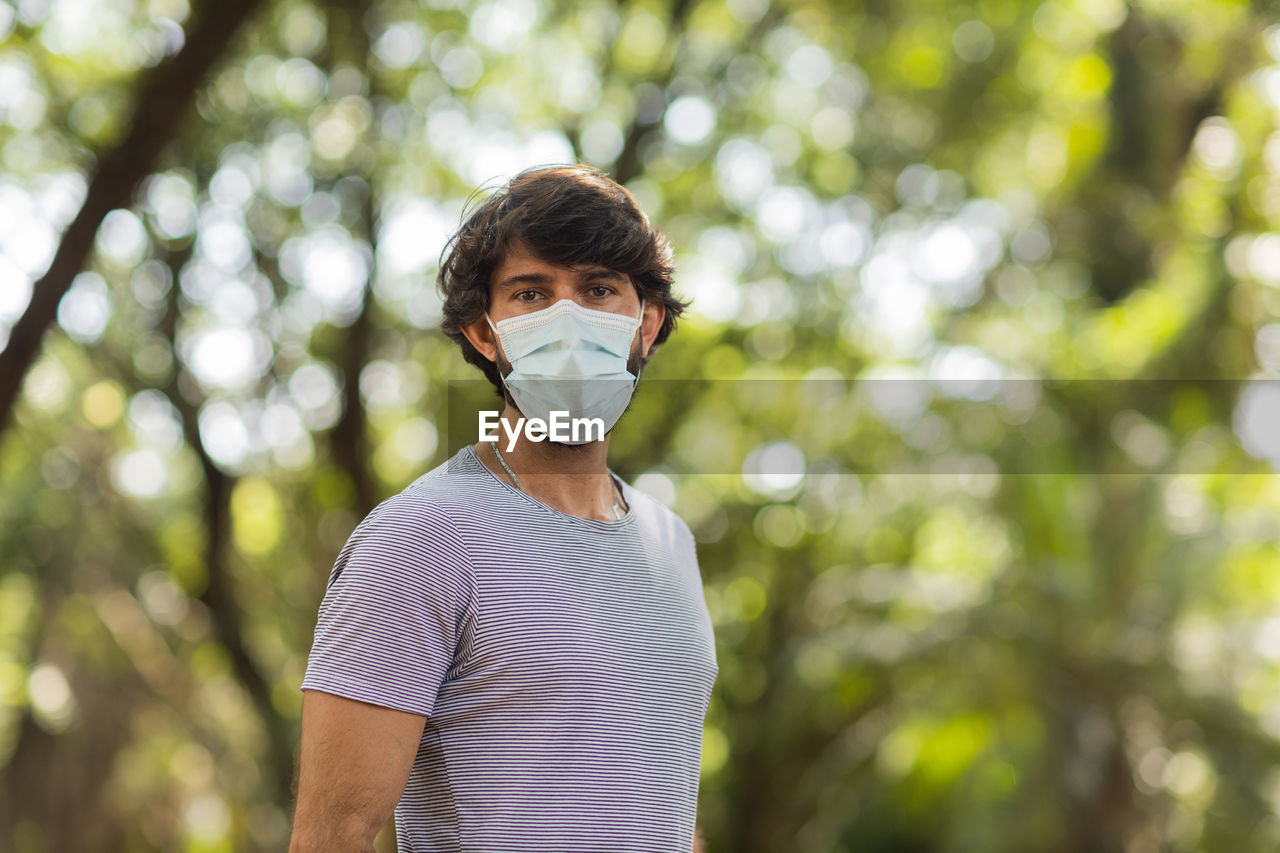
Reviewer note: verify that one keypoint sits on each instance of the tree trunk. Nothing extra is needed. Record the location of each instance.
(162, 101)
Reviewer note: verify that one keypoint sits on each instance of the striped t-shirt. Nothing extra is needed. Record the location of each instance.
(564, 665)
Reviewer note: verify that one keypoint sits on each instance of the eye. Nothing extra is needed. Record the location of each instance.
(525, 295)
(600, 291)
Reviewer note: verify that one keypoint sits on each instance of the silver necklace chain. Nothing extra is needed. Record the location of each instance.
(618, 510)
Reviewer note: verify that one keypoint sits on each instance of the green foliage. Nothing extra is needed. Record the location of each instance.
(1047, 618)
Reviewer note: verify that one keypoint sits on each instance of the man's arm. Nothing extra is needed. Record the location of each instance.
(353, 764)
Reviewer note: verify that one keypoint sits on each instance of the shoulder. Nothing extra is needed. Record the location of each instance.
(658, 520)
(407, 517)
(436, 501)
(415, 531)
(406, 536)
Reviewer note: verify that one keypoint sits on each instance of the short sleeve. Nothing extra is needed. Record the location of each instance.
(400, 601)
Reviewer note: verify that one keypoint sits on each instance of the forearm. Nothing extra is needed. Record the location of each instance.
(309, 840)
(321, 833)
(353, 764)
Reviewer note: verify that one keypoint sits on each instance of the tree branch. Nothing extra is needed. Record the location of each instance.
(164, 97)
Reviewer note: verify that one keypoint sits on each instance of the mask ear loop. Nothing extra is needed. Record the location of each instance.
(640, 333)
(497, 341)
(640, 322)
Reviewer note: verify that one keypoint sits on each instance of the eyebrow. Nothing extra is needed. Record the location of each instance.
(542, 278)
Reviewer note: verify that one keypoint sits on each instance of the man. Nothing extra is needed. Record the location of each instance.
(514, 652)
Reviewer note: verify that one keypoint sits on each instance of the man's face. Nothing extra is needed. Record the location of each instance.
(524, 283)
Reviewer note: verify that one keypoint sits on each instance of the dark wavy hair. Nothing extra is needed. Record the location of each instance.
(566, 215)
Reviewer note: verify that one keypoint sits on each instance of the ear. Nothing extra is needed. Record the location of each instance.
(480, 336)
(650, 323)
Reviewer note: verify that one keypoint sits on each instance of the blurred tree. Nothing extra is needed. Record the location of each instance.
(970, 418)
(163, 98)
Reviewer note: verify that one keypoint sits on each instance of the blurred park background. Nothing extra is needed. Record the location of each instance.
(1021, 615)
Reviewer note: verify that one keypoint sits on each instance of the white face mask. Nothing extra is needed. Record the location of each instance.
(570, 359)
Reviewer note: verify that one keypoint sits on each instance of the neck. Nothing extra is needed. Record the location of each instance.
(573, 479)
